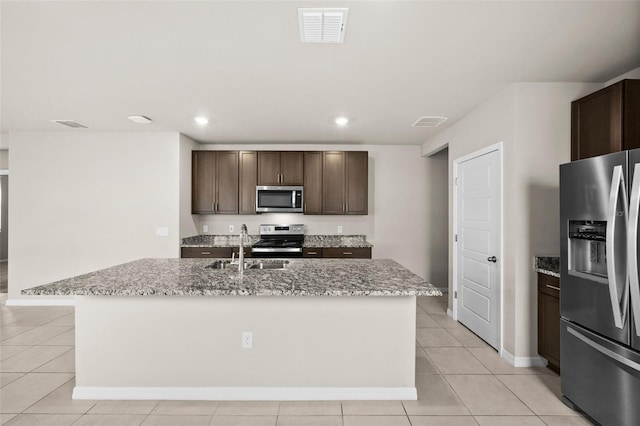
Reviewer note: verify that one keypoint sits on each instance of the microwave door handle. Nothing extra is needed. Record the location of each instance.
(617, 184)
(293, 199)
(632, 247)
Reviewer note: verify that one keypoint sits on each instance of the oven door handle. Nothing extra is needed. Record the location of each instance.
(276, 250)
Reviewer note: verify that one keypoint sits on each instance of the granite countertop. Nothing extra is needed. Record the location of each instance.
(549, 265)
(315, 241)
(191, 277)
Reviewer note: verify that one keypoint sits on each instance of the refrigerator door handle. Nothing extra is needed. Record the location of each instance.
(607, 352)
(632, 247)
(617, 184)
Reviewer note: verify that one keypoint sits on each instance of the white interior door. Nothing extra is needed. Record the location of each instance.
(478, 224)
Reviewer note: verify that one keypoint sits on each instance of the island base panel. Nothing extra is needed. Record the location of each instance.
(186, 347)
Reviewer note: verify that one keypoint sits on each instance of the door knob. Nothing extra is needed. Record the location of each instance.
(492, 259)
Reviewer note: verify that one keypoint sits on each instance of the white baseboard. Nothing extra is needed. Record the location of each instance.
(523, 361)
(244, 393)
(40, 302)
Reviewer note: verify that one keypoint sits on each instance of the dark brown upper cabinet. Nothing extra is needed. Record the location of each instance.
(606, 121)
(312, 182)
(214, 182)
(280, 168)
(248, 180)
(345, 182)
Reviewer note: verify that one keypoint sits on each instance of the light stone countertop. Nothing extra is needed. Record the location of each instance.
(315, 241)
(548, 265)
(191, 277)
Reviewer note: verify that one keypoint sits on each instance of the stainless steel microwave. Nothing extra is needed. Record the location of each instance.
(279, 199)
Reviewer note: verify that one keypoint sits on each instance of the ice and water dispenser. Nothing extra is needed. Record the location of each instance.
(587, 249)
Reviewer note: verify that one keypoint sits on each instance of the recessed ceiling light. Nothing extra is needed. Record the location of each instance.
(201, 120)
(342, 121)
(140, 119)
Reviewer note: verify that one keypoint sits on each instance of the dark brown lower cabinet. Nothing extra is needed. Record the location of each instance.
(549, 320)
(222, 252)
(312, 252)
(347, 252)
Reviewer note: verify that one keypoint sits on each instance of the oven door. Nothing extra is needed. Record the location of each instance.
(280, 253)
(284, 199)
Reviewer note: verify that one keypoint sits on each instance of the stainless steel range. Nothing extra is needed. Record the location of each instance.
(279, 241)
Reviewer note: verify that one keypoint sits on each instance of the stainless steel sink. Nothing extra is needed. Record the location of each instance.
(220, 264)
(269, 264)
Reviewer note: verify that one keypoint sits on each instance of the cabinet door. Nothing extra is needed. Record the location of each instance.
(312, 182)
(631, 114)
(347, 252)
(312, 252)
(219, 252)
(549, 320)
(203, 182)
(596, 123)
(333, 185)
(268, 168)
(291, 168)
(248, 181)
(227, 182)
(357, 174)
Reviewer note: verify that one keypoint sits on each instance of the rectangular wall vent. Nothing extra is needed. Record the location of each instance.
(429, 121)
(322, 25)
(71, 123)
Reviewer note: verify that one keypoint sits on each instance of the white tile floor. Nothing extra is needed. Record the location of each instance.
(460, 380)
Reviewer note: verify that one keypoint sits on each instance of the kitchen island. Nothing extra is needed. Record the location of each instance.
(317, 329)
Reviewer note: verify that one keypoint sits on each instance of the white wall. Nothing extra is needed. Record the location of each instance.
(83, 201)
(533, 121)
(635, 73)
(187, 221)
(438, 217)
(396, 224)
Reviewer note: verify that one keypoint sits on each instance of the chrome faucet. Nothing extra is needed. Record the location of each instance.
(243, 236)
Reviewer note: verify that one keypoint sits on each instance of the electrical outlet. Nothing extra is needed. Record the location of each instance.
(205, 228)
(247, 340)
(339, 229)
(231, 228)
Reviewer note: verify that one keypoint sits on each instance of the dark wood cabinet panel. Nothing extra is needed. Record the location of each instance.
(312, 252)
(312, 182)
(357, 174)
(227, 182)
(248, 179)
(280, 168)
(203, 187)
(214, 185)
(333, 187)
(246, 251)
(606, 121)
(291, 168)
(347, 252)
(218, 252)
(549, 320)
(268, 168)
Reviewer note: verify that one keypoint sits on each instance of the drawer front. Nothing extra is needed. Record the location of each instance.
(549, 285)
(347, 252)
(311, 252)
(223, 252)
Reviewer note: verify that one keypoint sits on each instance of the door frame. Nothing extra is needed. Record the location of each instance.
(456, 163)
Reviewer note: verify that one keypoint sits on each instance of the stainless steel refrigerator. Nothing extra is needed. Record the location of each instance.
(600, 296)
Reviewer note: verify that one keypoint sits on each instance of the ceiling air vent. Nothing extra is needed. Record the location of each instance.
(322, 25)
(71, 123)
(429, 121)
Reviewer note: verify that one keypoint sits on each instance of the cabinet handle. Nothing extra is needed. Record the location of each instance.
(312, 252)
(205, 252)
(347, 253)
(213, 207)
(553, 287)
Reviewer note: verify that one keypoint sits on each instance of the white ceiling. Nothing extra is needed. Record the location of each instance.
(241, 64)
